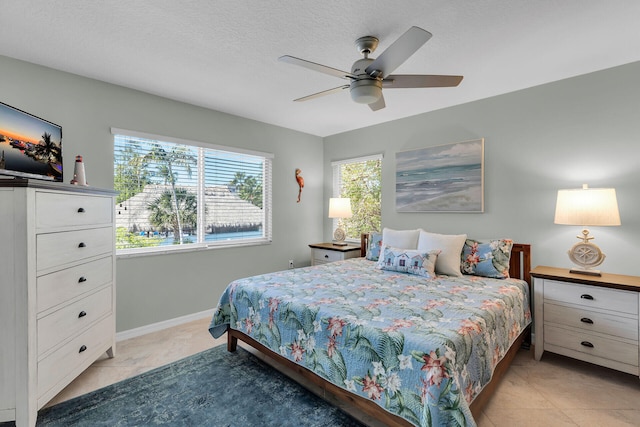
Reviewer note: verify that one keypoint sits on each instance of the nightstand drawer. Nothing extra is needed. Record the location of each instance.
(325, 255)
(322, 253)
(592, 321)
(591, 296)
(598, 346)
(55, 210)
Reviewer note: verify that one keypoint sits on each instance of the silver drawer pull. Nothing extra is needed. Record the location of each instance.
(586, 296)
(82, 314)
(81, 210)
(83, 348)
(586, 320)
(587, 344)
(82, 245)
(82, 279)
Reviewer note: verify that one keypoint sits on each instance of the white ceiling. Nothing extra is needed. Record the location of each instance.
(223, 54)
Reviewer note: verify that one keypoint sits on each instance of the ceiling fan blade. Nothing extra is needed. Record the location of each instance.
(323, 93)
(316, 67)
(399, 81)
(378, 105)
(398, 52)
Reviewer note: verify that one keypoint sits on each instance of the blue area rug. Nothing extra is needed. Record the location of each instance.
(211, 388)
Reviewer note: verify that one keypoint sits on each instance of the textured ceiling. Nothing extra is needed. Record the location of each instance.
(223, 54)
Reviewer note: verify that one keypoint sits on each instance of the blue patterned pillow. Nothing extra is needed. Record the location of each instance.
(409, 261)
(375, 243)
(487, 259)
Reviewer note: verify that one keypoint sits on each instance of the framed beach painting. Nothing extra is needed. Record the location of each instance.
(443, 178)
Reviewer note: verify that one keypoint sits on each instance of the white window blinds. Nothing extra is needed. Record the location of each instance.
(174, 192)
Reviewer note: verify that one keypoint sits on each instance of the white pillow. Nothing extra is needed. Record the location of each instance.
(403, 239)
(451, 245)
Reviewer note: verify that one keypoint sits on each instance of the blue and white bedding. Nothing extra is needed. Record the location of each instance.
(422, 348)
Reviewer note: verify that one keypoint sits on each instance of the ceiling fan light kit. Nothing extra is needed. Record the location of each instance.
(368, 76)
(366, 91)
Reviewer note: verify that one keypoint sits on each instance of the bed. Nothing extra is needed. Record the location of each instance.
(403, 348)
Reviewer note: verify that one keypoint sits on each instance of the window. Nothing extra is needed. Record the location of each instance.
(177, 194)
(360, 180)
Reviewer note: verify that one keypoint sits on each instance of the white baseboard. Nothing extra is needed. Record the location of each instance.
(154, 327)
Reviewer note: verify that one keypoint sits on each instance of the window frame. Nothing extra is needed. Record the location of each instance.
(267, 194)
(337, 185)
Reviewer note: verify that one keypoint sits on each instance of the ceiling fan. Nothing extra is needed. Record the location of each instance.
(368, 75)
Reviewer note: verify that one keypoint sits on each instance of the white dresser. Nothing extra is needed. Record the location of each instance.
(57, 289)
(594, 319)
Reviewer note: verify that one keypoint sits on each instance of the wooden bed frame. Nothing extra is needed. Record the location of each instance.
(520, 268)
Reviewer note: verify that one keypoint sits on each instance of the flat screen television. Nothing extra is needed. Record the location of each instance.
(30, 147)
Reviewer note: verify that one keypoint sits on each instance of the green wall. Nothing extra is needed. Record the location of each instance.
(151, 289)
(538, 140)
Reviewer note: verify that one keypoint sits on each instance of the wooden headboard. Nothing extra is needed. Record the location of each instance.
(520, 263)
(364, 244)
(519, 266)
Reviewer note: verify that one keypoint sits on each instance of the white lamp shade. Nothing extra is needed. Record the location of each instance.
(587, 207)
(340, 208)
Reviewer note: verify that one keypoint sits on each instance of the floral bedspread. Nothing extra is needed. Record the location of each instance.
(420, 348)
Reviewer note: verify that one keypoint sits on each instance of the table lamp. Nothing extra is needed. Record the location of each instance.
(587, 207)
(339, 208)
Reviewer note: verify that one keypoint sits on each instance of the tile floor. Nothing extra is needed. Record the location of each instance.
(557, 391)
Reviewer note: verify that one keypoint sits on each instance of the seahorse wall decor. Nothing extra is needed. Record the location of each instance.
(300, 181)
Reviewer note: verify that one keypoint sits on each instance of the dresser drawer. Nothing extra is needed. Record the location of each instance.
(605, 348)
(592, 321)
(56, 288)
(55, 249)
(69, 358)
(63, 210)
(69, 320)
(591, 296)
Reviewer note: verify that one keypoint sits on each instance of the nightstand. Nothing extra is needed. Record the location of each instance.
(322, 253)
(590, 318)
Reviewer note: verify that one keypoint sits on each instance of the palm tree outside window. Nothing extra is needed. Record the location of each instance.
(178, 194)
